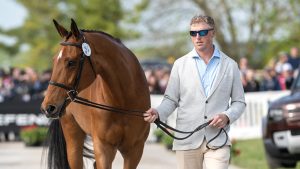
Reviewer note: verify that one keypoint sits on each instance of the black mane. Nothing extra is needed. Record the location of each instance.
(101, 32)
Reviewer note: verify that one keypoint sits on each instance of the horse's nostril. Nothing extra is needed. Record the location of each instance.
(50, 108)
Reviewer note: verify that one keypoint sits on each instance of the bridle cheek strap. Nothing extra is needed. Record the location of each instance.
(72, 91)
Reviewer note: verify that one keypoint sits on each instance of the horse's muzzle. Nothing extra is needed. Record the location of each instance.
(52, 111)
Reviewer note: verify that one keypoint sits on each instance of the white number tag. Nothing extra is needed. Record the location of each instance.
(86, 49)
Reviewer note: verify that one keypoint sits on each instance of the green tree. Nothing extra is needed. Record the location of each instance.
(257, 29)
(37, 40)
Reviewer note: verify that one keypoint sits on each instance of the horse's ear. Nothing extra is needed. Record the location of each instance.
(60, 29)
(74, 29)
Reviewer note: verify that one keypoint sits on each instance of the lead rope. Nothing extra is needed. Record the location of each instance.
(164, 127)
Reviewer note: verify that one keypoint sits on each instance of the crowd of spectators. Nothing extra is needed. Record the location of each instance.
(25, 84)
(157, 80)
(277, 76)
(157, 75)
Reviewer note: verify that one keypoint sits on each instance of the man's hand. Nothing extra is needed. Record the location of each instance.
(219, 121)
(151, 115)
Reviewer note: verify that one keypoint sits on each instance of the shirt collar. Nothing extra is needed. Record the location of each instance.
(216, 53)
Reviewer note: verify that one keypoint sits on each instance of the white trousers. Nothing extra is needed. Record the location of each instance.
(203, 158)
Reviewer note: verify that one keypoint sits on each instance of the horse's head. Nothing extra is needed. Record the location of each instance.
(69, 75)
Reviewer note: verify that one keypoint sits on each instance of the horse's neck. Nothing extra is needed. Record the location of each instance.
(115, 78)
(119, 71)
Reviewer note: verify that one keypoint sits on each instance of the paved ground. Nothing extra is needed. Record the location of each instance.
(14, 155)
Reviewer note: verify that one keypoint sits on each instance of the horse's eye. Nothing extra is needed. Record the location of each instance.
(71, 63)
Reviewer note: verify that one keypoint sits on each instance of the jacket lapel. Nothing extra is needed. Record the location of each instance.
(220, 75)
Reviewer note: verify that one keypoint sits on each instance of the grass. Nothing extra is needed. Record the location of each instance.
(252, 155)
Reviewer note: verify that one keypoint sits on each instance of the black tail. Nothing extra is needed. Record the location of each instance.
(57, 151)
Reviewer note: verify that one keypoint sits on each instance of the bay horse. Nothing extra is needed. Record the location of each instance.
(97, 68)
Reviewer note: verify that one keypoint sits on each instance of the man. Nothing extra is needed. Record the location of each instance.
(201, 85)
(293, 58)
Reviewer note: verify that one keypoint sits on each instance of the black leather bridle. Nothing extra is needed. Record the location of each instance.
(73, 97)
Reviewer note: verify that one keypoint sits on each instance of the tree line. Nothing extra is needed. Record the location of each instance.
(257, 30)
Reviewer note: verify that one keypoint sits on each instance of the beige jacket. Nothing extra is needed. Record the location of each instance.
(185, 92)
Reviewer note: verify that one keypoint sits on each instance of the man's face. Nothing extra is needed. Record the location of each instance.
(202, 43)
(294, 52)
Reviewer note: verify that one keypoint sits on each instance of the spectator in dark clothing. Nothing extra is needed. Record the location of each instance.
(44, 79)
(294, 58)
(252, 85)
(289, 82)
(153, 82)
(269, 81)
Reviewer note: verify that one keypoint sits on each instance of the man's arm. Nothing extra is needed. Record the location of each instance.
(238, 103)
(170, 100)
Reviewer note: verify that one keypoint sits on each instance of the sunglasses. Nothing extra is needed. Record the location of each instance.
(201, 32)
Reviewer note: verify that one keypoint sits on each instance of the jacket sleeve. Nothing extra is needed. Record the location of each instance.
(238, 103)
(172, 94)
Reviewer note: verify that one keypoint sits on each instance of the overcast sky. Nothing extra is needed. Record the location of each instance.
(11, 14)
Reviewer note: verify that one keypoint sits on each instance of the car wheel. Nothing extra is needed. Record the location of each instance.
(272, 163)
(291, 164)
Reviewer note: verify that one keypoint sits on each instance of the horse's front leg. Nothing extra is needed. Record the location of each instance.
(74, 137)
(104, 154)
(132, 155)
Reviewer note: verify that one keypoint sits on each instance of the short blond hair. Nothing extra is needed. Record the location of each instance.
(201, 18)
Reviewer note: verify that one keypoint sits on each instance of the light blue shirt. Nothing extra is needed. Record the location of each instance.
(207, 73)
